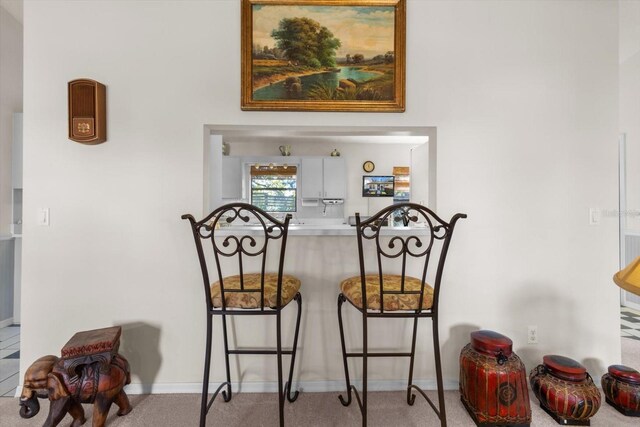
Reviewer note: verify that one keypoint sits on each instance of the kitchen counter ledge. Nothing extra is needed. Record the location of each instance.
(320, 230)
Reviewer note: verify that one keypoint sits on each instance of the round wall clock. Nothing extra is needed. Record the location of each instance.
(368, 166)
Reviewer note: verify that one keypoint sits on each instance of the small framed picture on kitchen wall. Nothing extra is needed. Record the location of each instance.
(323, 55)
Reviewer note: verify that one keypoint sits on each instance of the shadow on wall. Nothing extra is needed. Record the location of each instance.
(137, 339)
(595, 367)
(537, 302)
(458, 338)
(544, 302)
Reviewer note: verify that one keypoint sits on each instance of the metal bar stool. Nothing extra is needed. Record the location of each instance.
(382, 295)
(249, 294)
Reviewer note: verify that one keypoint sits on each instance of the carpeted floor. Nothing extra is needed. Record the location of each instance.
(311, 409)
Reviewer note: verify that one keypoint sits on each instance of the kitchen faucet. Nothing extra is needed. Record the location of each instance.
(403, 214)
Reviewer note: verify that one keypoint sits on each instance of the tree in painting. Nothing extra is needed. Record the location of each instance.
(323, 52)
(305, 42)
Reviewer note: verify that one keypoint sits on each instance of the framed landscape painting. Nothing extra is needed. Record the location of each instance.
(323, 55)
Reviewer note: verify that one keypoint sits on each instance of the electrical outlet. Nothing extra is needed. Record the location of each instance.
(532, 335)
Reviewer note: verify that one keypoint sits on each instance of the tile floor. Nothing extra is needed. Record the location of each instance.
(10, 349)
(630, 323)
(9, 360)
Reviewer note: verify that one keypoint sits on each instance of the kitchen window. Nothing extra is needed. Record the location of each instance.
(274, 187)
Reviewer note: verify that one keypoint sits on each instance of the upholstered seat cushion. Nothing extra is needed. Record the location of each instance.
(251, 299)
(352, 290)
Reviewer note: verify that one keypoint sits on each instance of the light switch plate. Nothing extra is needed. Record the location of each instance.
(594, 216)
(43, 216)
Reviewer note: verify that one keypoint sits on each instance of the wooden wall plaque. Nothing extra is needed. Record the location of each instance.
(87, 111)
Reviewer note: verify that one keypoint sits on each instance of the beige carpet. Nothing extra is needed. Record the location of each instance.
(311, 409)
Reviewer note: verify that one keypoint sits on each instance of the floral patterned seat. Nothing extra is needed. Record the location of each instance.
(251, 299)
(352, 290)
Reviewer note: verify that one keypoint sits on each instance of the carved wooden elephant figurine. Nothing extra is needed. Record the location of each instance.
(94, 383)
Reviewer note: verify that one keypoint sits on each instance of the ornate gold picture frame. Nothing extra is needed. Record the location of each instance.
(323, 55)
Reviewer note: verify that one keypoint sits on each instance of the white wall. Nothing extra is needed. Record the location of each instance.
(629, 57)
(524, 96)
(630, 101)
(10, 102)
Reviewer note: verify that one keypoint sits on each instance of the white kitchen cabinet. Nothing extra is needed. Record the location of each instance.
(17, 278)
(334, 177)
(231, 177)
(322, 178)
(311, 186)
(16, 151)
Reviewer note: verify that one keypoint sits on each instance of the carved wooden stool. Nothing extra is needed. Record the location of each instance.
(493, 381)
(565, 390)
(621, 386)
(87, 347)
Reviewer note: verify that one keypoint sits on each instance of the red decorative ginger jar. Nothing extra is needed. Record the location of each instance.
(621, 386)
(493, 381)
(565, 390)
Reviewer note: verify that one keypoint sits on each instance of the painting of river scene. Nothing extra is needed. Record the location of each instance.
(323, 55)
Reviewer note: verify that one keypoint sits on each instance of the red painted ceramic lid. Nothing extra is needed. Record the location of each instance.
(491, 343)
(624, 374)
(564, 368)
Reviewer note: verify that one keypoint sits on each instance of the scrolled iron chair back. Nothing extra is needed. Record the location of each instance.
(243, 244)
(418, 245)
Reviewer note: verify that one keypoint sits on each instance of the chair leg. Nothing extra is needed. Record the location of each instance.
(347, 402)
(287, 387)
(205, 381)
(365, 350)
(411, 398)
(436, 352)
(281, 392)
(226, 395)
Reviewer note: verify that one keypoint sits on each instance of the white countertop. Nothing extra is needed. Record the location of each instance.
(319, 230)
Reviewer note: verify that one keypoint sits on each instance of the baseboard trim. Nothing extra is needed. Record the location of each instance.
(7, 322)
(272, 386)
